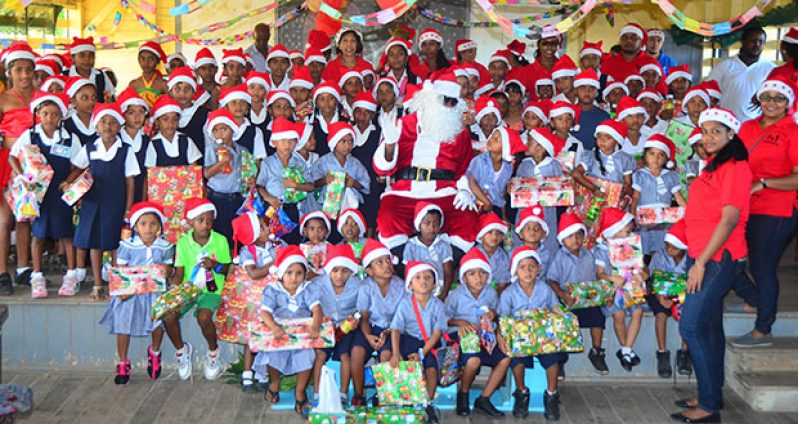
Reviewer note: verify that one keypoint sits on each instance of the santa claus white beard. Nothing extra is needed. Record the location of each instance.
(436, 121)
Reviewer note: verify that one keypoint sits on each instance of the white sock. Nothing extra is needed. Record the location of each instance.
(71, 272)
(36, 274)
(247, 374)
(81, 274)
(181, 351)
(213, 353)
(20, 270)
(551, 393)
(626, 350)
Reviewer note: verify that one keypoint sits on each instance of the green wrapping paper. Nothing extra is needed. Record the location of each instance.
(334, 196)
(328, 418)
(249, 169)
(175, 299)
(385, 415)
(400, 386)
(469, 342)
(541, 331)
(591, 293)
(295, 173)
(671, 284)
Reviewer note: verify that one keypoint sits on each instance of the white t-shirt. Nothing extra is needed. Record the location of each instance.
(739, 84)
(81, 159)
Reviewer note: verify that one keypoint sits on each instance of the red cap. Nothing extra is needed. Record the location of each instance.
(531, 214)
(196, 206)
(340, 255)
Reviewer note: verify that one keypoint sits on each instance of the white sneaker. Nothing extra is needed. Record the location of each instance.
(184, 362)
(38, 286)
(213, 366)
(70, 285)
(80, 274)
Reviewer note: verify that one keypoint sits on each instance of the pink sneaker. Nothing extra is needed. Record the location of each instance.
(122, 373)
(70, 286)
(38, 287)
(153, 364)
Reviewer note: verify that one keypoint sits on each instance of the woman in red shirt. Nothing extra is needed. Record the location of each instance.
(772, 143)
(716, 216)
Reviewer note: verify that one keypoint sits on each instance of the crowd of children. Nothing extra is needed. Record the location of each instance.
(317, 117)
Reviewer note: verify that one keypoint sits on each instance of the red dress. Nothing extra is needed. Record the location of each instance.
(13, 124)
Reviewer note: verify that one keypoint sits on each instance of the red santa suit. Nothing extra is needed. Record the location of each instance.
(424, 168)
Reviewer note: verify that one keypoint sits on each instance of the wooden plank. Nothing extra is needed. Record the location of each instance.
(51, 403)
(197, 408)
(251, 408)
(628, 403)
(129, 399)
(573, 408)
(224, 408)
(178, 401)
(153, 403)
(597, 403)
(105, 404)
(78, 401)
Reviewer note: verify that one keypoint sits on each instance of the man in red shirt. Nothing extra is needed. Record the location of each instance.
(632, 55)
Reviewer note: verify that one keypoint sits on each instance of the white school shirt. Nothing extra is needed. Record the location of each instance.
(135, 142)
(172, 149)
(24, 139)
(81, 159)
(739, 82)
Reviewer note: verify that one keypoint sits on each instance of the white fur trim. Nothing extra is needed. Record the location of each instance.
(587, 81)
(349, 74)
(50, 98)
(696, 93)
(538, 112)
(134, 218)
(670, 238)
(779, 87)
(340, 261)
(146, 48)
(285, 135)
(163, 110)
(223, 120)
(74, 88)
(315, 58)
(656, 33)
(520, 225)
(488, 110)
(349, 214)
(282, 95)
(205, 61)
(467, 46)
(490, 227)
(287, 262)
(543, 141)
(649, 95)
(589, 50)
(651, 67)
(327, 90)
(473, 264)
(82, 48)
(107, 112)
(258, 80)
(461, 243)
(563, 73)
(430, 36)
(612, 86)
(657, 145)
(423, 212)
(570, 230)
(447, 89)
(373, 255)
(393, 241)
(182, 78)
(544, 81)
(631, 111)
(618, 226)
(606, 129)
(133, 102)
(678, 74)
(631, 29)
(694, 139)
(719, 115)
(526, 254)
(372, 107)
(235, 95)
(333, 141)
(301, 84)
(561, 111)
(199, 210)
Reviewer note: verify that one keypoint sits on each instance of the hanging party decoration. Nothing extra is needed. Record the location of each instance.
(187, 8)
(443, 20)
(710, 29)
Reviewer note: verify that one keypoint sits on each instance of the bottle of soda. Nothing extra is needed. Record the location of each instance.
(210, 281)
(222, 153)
(350, 323)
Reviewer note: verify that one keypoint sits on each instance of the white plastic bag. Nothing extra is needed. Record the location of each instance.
(329, 393)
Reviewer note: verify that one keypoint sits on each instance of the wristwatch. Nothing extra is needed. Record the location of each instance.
(763, 182)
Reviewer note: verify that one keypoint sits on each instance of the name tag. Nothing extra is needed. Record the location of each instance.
(60, 150)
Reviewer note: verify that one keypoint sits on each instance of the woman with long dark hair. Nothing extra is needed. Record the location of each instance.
(431, 43)
(349, 52)
(715, 218)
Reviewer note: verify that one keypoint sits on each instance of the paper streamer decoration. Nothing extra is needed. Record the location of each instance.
(190, 7)
(439, 18)
(710, 29)
(517, 31)
(380, 17)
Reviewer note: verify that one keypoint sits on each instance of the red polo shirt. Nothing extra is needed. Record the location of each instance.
(618, 68)
(772, 153)
(730, 184)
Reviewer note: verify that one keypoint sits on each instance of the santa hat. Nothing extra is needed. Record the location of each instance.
(421, 210)
(548, 140)
(261, 78)
(517, 48)
(337, 131)
(228, 94)
(511, 142)
(568, 225)
(50, 67)
(513, 79)
(340, 255)
(484, 87)
(636, 29)
(634, 77)
(182, 74)
(446, 85)
(283, 129)
(713, 89)
(650, 93)
(305, 130)
(474, 259)
(301, 78)
(561, 107)
(55, 79)
(386, 80)
(587, 77)
(791, 37)
(314, 54)
(652, 66)
(463, 45)
(629, 106)
(173, 56)
(275, 95)
(327, 87)
(81, 45)
(204, 57)
(61, 100)
(74, 84)
(485, 106)
(365, 100)
(723, 116)
(613, 220)
(356, 216)
(531, 214)
(373, 249)
(616, 130)
(430, 34)
(564, 67)
(287, 256)
(489, 222)
(107, 109)
(319, 40)
(500, 56)
(142, 208)
(540, 109)
(246, 228)
(346, 76)
(612, 85)
(18, 51)
(196, 206)
(221, 117)
(296, 54)
(519, 254)
(677, 235)
(164, 105)
(314, 215)
(277, 52)
(695, 136)
(415, 267)
(129, 97)
(660, 141)
(343, 31)
(591, 48)
(779, 85)
(154, 48)
(681, 71)
(401, 42)
(696, 91)
(55, 57)
(234, 55)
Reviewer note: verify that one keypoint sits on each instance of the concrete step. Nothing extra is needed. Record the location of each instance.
(781, 356)
(768, 391)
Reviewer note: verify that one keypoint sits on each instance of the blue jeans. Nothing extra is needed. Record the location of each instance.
(701, 327)
(767, 238)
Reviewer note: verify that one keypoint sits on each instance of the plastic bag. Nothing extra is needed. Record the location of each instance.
(329, 393)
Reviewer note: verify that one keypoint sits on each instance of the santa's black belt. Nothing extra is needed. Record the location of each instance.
(423, 174)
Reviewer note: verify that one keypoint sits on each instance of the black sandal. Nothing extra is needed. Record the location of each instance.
(301, 408)
(271, 396)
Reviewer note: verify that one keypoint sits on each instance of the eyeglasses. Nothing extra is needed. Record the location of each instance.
(777, 99)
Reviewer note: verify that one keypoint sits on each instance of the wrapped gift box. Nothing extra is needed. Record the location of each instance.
(296, 335)
(658, 218)
(679, 133)
(327, 418)
(400, 386)
(547, 191)
(583, 200)
(541, 331)
(78, 188)
(316, 254)
(587, 294)
(295, 173)
(670, 284)
(241, 300)
(249, 169)
(469, 342)
(334, 195)
(130, 280)
(567, 160)
(36, 170)
(175, 299)
(22, 200)
(626, 256)
(170, 186)
(386, 415)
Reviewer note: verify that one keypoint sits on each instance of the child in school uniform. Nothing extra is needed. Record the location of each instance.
(234, 65)
(655, 186)
(129, 316)
(490, 241)
(135, 111)
(367, 138)
(574, 263)
(616, 223)
(532, 230)
(386, 93)
(417, 326)
(489, 173)
(83, 54)
(83, 97)
(183, 88)
(430, 245)
(698, 159)
(465, 307)
(377, 301)
(327, 98)
(541, 149)
(279, 63)
(256, 255)
(292, 297)
(223, 170)
(55, 217)
(606, 160)
(671, 258)
(338, 290)
(305, 148)
(113, 166)
(278, 104)
(563, 118)
(248, 136)
(528, 291)
(352, 227)
(300, 87)
(535, 115)
(169, 147)
(258, 84)
(315, 227)
(487, 118)
(205, 251)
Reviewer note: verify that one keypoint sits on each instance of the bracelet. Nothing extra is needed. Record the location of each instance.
(218, 268)
(763, 182)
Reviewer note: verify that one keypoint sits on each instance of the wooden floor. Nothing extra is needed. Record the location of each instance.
(71, 397)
